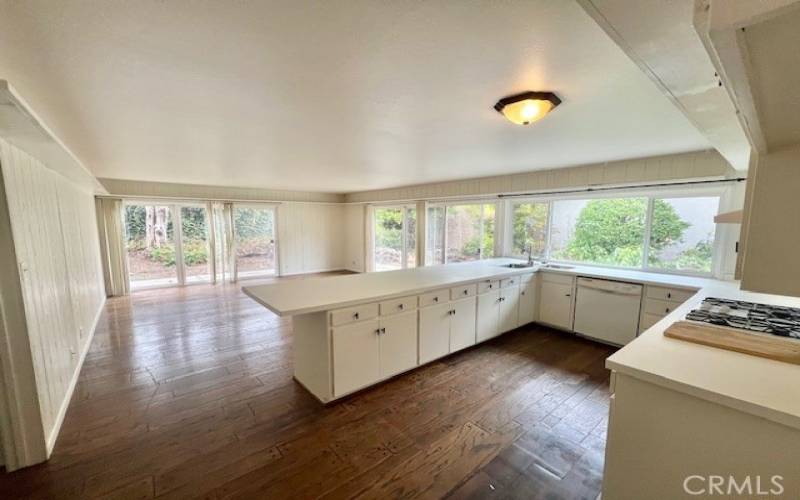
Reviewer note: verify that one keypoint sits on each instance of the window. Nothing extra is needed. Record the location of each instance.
(434, 247)
(194, 244)
(529, 228)
(460, 232)
(395, 238)
(682, 234)
(658, 233)
(603, 231)
(150, 244)
(254, 229)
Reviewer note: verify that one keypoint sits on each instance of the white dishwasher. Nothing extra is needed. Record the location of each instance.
(607, 310)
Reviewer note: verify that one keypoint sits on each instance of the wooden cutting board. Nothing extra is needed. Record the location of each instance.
(733, 339)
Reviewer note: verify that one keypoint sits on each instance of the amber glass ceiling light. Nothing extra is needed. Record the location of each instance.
(528, 107)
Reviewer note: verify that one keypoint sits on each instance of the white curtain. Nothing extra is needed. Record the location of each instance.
(112, 246)
(229, 242)
(212, 243)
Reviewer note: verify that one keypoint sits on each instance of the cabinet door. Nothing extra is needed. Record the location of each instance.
(488, 315)
(355, 356)
(398, 343)
(555, 305)
(434, 331)
(509, 308)
(462, 324)
(527, 303)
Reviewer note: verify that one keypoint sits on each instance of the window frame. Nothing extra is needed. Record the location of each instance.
(651, 195)
(498, 223)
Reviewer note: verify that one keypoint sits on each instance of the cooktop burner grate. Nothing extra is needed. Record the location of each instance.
(776, 320)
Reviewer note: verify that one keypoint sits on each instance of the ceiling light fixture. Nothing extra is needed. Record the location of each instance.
(527, 107)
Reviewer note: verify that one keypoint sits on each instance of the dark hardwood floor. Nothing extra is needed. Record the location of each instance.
(188, 393)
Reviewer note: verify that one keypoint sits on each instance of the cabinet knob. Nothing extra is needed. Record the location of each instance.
(491, 286)
(401, 306)
(522, 293)
(568, 295)
(666, 310)
(669, 295)
(436, 299)
(378, 331)
(466, 292)
(355, 316)
(383, 330)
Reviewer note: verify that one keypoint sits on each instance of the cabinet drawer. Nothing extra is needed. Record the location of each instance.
(353, 314)
(488, 286)
(395, 306)
(649, 320)
(562, 279)
(433, 298)
(507, 282)
(659, 307)
(527, 278)
(461, 292)
(670, 294)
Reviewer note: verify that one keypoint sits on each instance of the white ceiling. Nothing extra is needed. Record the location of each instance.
(329, 96)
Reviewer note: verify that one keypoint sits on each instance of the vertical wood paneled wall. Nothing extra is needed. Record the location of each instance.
(55, 238)
(311, 237)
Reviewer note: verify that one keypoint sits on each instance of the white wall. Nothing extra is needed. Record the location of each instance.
(354, 244)
(311, 237)
(55, 240)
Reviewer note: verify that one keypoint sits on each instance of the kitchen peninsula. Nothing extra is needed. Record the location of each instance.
(354, 331)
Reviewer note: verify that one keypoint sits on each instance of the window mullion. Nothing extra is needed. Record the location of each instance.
(549, 230)
(648, 228)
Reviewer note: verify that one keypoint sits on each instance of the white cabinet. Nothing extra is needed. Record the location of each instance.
(398, 343)
(368, 351)
(434, 331)
(446, 328)
(527, 303)
(356, 356)
(509, 308)
(556, 300)
(462, 324)
(488, 315)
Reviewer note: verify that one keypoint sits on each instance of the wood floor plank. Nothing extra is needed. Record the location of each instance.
(188, 393)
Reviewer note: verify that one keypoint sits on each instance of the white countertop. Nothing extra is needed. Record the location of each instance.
(294, 297)
(762, 387)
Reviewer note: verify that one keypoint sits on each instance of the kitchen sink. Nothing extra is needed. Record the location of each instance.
(556, 266)
(519, 265)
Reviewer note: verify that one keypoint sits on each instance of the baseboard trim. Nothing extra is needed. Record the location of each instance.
(62, 412)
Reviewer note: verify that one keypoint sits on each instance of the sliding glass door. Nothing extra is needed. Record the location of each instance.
(158, 255)
(394, 238)
(254, 231)
(194, 244)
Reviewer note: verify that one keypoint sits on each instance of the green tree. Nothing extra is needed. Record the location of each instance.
(530, 227)
(612, 231)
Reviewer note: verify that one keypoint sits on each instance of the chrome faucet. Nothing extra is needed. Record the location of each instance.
(530, 254)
